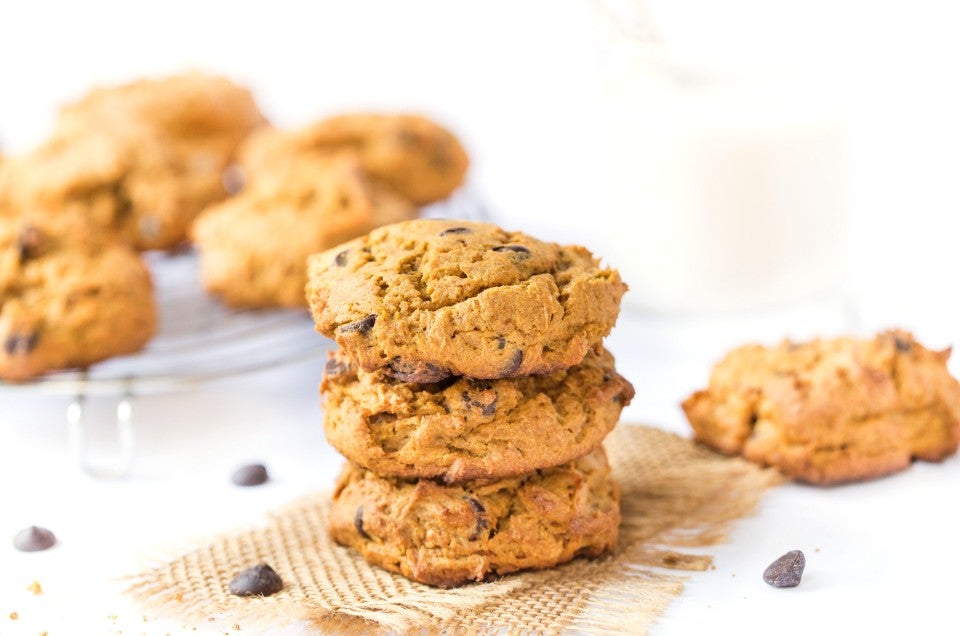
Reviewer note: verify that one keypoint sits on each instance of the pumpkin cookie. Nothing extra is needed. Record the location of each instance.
(414, 156)
(464, 429)
(426, 299)
(69, 297)
(254, 247)
(447, 535)
(829, 411)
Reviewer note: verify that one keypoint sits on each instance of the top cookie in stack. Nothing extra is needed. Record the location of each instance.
(427, 299)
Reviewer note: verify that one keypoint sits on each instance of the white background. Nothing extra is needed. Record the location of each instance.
(525, 85)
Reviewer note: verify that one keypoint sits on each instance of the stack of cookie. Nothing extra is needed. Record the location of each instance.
(471, 395)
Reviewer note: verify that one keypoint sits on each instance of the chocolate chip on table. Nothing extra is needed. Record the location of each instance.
(361, 326)
(519, 250)
(786, 571)
(418, 372)
(250, 475)
(34, 539)
(20, 343)
(456, 230)
(341, 259)
(260, 580)
(358, 522)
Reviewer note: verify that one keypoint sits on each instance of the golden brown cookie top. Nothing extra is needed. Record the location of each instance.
(464, 429)
(187, 106)
(831, 410)
(254, 246)
(425, 299)
(418, 158)
(69, 296)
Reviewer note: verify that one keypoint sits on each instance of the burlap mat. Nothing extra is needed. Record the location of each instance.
(676, 495)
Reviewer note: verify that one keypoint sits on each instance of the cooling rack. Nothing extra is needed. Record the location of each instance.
(199, 340)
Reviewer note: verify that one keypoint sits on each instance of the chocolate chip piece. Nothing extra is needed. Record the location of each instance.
(28, 243)
(341, 259)
(786, 571)
(358, 522)
(335, 367)
(481, 518)
(234, 179)
(21, 344)
(34, 539)
(903, 346)
(501, 342)
(519, 250)
(260, 580)
(361, 326)
(456, 230)
(514, 364)
(417, 371)
(250, 475)
(485, 400)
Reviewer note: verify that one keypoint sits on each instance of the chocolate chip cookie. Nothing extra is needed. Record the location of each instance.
(69, 297)
(448, 535)
(463, 429)
(416, 157)
(829, 411)
(426, 299)
(254, 247)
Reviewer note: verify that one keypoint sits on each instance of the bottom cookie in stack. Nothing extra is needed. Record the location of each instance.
(451, 534)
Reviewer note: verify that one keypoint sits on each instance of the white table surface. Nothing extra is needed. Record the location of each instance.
(881, 556)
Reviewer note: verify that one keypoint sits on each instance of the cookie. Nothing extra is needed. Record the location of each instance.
(418, 158)
(464, 429)
(69, 297)
(130, 189)
(254, 247)
(425, 299)
(141, 159)
(830, 411)
(446, 535)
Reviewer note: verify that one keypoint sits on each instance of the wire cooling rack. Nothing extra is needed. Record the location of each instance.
(199, 340)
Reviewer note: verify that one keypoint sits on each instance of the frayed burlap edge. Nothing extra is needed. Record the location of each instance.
(676, 496)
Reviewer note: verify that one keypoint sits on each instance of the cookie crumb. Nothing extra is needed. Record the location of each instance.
(35, 589)
(14, 616)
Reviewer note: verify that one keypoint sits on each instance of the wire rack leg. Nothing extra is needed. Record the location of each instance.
(79, 446)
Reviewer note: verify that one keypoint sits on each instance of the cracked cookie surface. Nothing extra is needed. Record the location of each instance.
(464, 429)
(69, 297)
(830, 411)
(254, 246)
(421, 160)
(449, 535)
(426, 299)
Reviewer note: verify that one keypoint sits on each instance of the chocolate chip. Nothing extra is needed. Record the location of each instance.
(514, 364)
(485, 401)
(361, 326)
(501, 342)
(34, 539)
(260, 580)
(335, 367)
(21, 344)
(28, 243)
(786, 571)
(234, 179)
(519, 250)
(481, 519)
(456, 230)
(416, 371)
(341, 259)
(358, 522)
(903, 346)
(250, 475)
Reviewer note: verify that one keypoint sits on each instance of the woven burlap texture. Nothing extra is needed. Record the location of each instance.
(676, 495)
